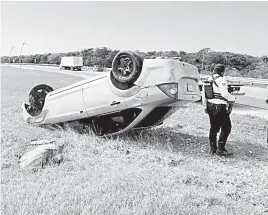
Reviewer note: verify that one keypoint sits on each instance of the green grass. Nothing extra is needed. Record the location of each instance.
(166, 170)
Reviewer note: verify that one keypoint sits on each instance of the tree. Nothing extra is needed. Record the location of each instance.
(109, 58)
(54, 58)
(28, 59)
(264, 58)
(217, 58)
(4, 59)
(182, 53)
(44, 59)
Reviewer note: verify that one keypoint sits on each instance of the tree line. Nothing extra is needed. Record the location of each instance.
(236, 64)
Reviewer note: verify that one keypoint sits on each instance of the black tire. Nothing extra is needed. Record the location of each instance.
(126, 67)
(37, 95)
(119, 85)
(139, 59)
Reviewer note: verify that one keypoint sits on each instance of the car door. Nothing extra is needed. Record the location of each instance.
(99, 99)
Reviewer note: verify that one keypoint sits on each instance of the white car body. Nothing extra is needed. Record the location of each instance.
(96, 97)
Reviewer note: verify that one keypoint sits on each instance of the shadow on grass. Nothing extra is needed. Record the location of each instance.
(190, 145)
(172, 140)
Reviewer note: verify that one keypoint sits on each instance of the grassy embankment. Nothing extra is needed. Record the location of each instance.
(166, 170)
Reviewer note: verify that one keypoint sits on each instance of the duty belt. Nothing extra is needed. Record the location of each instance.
(219, 96)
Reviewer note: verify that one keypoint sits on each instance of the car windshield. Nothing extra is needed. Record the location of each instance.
(115, 122)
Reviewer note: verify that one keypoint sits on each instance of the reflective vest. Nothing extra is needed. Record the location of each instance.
(208, 89)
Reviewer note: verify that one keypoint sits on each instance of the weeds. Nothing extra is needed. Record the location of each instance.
(165, 170)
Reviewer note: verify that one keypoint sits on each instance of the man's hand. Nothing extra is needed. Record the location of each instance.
(230, 107)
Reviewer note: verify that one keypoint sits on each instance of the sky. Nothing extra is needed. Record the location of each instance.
(51, 27)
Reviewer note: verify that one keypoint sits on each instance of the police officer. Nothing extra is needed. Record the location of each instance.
(219, 109)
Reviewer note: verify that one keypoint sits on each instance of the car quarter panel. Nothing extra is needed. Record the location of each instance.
(161, 71)
(66, 105)
(149, 95)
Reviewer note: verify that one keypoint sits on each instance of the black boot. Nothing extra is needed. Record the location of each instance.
(222, 151)
(213, 148)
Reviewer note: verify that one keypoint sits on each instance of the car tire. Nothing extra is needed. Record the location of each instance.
(118, 84)
(126, 67)
(139, 59)
(38, 94)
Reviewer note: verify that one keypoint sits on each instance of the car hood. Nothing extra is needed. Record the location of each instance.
(159, 71)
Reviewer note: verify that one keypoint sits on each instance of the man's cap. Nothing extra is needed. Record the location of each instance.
(219, 68)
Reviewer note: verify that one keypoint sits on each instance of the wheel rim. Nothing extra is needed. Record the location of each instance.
(125, 66)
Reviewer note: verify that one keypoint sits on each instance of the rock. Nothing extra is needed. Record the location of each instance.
(174, 163)
(41, 142)
(42, 155)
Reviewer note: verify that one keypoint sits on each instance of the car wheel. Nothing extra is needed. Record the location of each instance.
(126, 67)
(37, 95)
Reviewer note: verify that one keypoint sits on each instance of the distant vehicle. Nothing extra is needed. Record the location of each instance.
(98, 68)
(177, 58)
(72, 63)
(135, 94)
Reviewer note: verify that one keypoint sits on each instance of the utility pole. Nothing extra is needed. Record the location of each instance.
(205, 51)
(226, 56)
(10, 54)
(20, 53)
(203, 61)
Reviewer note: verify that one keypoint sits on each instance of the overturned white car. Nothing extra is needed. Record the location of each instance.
(135, 94)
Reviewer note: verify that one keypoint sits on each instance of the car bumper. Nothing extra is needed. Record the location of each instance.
(32, 119)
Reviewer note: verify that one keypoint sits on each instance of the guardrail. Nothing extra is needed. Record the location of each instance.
(85, 68)
(242, 80)
(32, 64)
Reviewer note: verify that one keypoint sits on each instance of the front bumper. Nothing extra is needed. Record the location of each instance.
(32, 119)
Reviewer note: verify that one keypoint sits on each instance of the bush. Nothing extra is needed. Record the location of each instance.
(233, 73)
(244, 65)
(256, 74)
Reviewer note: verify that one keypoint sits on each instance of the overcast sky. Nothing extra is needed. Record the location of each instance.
(239, 27)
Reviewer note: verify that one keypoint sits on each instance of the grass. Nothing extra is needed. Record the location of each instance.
(165, 170)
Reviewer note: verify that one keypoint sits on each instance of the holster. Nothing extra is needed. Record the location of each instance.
(215, 109)
(229, 108)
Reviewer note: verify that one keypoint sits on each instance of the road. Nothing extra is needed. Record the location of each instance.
(82, 74)
(253, 103)
(247, 110)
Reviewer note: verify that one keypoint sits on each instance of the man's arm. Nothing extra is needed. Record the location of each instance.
(222, 83)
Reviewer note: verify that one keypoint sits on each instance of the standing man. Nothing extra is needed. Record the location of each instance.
(219, 106)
